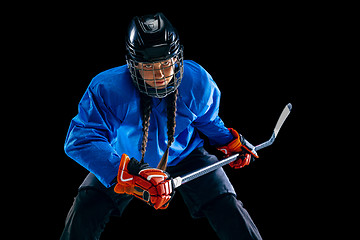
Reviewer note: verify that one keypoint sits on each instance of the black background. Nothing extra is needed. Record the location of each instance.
(261, 56)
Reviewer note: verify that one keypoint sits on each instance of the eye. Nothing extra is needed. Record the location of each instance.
(166, 63)
(148, 66)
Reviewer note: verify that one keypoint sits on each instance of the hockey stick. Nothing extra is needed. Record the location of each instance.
(178, 181)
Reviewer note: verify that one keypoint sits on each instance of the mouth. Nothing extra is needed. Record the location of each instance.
(160, 82)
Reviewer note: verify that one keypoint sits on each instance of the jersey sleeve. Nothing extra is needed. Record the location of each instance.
(208, 121)
(90, 134)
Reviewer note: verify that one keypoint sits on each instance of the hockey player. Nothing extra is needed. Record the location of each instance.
(139, 124)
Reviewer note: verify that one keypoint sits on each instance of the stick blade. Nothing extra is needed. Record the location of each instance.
(285, 113)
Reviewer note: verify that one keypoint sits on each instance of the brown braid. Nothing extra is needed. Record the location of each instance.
(146, 108)
(171, 117)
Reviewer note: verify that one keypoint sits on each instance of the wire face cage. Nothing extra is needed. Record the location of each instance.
(158, 78)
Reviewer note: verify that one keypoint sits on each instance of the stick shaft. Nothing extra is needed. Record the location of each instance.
(198, 173)
(208, 169)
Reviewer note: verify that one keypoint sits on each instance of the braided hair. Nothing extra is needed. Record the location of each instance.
(146, 109)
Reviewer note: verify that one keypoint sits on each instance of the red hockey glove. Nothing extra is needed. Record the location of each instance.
(238, 146)
(148, 184)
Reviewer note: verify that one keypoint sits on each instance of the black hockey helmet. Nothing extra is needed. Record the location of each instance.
(152, 41)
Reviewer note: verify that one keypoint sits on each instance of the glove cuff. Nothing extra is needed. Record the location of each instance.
(234, 145)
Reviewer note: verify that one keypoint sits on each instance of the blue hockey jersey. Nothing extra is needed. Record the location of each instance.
(109, 123)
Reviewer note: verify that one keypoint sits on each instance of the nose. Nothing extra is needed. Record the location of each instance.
(158, 72)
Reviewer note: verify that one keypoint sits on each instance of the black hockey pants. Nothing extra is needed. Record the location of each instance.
(211, 196)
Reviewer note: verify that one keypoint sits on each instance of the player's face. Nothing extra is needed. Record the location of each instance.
(157, 75)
